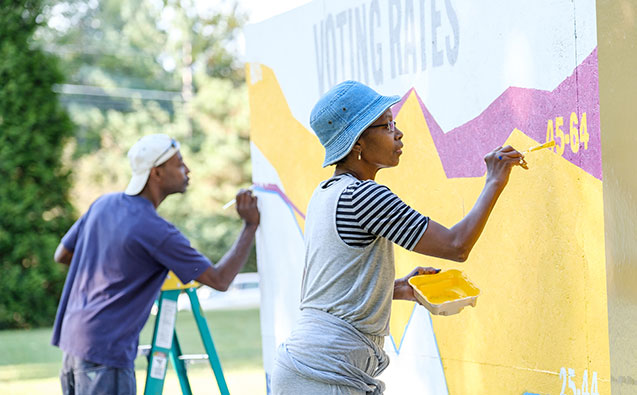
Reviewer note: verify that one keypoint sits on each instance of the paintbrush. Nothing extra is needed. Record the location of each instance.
(548, 144)
(233, 201)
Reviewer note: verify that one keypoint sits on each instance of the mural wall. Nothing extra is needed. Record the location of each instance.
(473, 76)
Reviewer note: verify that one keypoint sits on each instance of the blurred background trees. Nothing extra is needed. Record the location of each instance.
(34, 208)
(134, 68)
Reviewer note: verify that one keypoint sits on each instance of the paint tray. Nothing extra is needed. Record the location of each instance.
(446, 292)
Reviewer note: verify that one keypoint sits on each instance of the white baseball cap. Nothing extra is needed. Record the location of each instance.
(148, 152)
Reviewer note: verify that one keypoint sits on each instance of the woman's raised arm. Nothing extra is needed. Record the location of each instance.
(455, 243)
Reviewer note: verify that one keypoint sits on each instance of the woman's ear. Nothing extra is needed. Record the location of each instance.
(357, 148)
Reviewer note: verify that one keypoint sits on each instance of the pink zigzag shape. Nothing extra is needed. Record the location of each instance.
(275, 188)
(462, 149)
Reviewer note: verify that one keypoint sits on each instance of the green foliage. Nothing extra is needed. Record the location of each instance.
(34, 210)
(140, 44)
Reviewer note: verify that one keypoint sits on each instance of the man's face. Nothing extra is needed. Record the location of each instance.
(174, 174)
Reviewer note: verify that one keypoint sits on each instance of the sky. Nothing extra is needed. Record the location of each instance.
(260, 10)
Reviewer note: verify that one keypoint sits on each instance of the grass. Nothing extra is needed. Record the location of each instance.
(29, 364)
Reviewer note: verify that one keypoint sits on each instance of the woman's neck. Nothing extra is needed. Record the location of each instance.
(357, 171)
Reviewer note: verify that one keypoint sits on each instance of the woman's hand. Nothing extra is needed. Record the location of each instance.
(499, 163)
(404, 291)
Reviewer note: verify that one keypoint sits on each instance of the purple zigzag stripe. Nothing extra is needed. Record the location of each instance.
(462, 149)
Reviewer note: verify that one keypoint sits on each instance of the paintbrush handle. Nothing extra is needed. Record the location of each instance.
(548, 144)
(233, 201)
(230, 203)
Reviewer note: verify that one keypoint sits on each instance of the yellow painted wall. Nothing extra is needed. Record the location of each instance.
(617, 51)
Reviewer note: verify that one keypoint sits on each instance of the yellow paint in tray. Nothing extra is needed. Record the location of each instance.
(445, 293)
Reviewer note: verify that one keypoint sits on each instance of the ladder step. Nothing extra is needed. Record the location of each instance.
(194, 357)
(145, 351)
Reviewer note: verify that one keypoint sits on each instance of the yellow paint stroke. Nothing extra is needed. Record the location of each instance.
(539, 264)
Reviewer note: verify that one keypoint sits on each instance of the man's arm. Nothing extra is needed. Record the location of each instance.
(221, 275)
(62, 255)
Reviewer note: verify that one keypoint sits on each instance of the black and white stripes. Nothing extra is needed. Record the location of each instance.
(367, 210)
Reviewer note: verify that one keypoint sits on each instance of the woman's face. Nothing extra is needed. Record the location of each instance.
(381, 146)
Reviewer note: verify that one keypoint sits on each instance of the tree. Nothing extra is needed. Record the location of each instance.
(34, 209)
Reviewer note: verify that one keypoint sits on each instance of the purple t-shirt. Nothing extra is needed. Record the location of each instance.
(122, 251)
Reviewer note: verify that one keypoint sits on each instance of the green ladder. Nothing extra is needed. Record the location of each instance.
(165, 344)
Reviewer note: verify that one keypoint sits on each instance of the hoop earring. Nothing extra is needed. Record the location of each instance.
(359, 156)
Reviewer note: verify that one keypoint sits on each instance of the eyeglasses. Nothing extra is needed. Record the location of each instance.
(391, 126)
(173, 144)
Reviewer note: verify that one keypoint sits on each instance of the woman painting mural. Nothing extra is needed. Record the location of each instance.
(336, 347)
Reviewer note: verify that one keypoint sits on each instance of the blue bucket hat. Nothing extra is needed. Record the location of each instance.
(343, 114)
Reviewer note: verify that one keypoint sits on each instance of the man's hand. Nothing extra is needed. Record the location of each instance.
(247, 208)
(221, 275)
(404, 291)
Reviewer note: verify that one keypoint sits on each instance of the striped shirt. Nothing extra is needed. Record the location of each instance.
(367, 210)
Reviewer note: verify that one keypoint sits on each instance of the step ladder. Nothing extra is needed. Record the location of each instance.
(165, 344)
